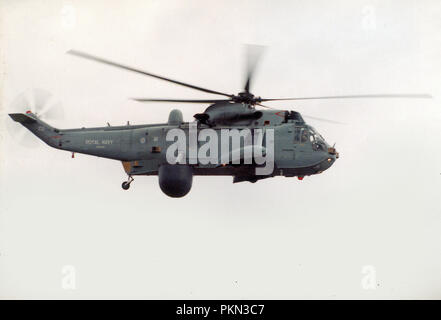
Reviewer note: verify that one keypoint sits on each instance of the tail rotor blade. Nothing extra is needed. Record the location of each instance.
(19, 134)
(22, 102)
(41, 98)
(53, 111)
(25, 138)
(42, 104)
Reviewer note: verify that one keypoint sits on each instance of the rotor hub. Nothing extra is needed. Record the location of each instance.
(246, 97)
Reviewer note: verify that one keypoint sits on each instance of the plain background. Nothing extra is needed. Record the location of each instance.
(377, 208)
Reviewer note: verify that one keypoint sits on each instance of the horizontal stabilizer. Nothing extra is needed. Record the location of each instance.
(22, 118)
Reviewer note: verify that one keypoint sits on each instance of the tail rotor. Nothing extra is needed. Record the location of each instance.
(42, 104)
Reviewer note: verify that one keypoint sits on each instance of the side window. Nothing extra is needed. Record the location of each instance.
(297, 135)
(311, 136)
(304, 135)
(301, 135)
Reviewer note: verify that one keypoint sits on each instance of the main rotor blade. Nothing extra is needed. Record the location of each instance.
(322, 119)
(306, 116)
(181, 100)
(418, 96)
(268, 107)
(118, 65)
(253, 52)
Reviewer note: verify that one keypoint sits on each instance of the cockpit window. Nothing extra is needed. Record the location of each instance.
(310, 135)
(301, 135)
(318, 143)
(316, 136)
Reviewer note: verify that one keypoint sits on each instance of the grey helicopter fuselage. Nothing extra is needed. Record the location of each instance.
(282, 137)
(298, 149)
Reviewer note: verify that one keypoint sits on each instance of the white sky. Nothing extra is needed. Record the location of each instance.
(279, 238)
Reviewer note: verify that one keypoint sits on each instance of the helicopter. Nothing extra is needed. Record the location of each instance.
(265, 142)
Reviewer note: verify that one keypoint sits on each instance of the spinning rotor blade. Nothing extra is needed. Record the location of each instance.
(97, 59)
(417, 95)
(40, 100)
(322, 119)
(52, 111)
(306, 116)
(253, 55)
(45, 105)
(181, 100)
(268, 107)
(42, 104)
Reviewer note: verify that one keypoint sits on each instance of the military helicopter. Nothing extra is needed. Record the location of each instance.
(298, 150)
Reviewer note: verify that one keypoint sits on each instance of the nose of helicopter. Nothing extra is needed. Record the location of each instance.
(330, 156)
(333, 152)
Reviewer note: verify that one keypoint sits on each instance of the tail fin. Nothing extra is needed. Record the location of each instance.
(39, 128)
(22, 118)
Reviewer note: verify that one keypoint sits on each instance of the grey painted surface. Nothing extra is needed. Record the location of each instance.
(292, 155)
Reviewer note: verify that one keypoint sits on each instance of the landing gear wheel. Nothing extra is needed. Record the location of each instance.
(125, 185)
